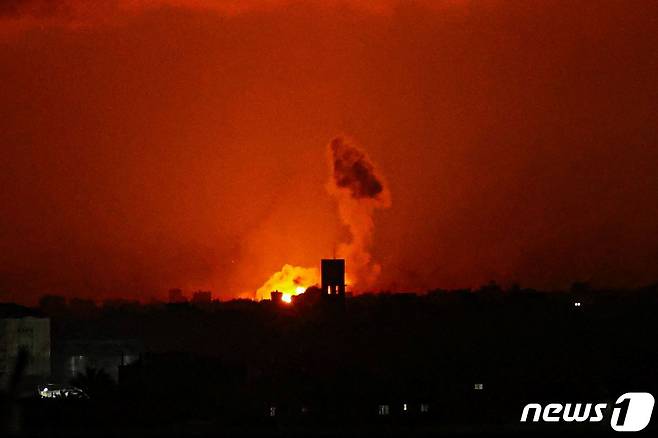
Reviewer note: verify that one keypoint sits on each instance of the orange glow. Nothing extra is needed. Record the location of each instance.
(287, 297)
(492, 115)
(290, 280)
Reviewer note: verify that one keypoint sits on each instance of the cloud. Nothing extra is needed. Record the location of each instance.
(352, 171)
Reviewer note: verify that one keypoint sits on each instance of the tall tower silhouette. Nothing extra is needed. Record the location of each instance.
(333, 277)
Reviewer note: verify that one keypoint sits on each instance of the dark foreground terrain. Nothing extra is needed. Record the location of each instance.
(442, 362)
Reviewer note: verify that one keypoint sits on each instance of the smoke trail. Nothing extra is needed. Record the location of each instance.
(359, 191)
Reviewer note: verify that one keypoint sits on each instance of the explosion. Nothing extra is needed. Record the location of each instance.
(290, 280)
(359, 191)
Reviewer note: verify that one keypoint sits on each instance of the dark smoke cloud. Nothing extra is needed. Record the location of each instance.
(83, 13)
(352, 171)
(359, 190)
(33, 8)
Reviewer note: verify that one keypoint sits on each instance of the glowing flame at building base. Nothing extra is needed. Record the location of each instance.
(290, 281)
(359, 191)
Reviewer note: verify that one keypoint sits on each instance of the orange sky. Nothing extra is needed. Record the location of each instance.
(149, 145)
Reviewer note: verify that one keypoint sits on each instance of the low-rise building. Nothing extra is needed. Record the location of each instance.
(24, 329)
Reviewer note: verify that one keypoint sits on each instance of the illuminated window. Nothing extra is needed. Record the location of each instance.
(384, 410)
(478, 386)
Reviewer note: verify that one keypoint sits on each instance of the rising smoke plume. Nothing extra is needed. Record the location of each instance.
(360, 191)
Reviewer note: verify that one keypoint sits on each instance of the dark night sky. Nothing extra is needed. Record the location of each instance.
(184, 143)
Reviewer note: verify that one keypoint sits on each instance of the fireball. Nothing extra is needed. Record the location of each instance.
(290, 281)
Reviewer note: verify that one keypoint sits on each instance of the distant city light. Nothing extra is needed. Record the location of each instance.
(576, 304)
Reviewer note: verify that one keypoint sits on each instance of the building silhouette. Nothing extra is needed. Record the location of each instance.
(276, 296)
(333, 277)
(24, 331)
(202, 298)
(176, 296)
